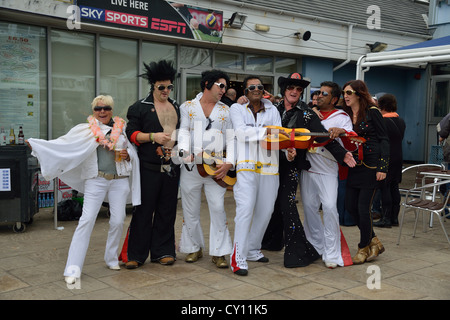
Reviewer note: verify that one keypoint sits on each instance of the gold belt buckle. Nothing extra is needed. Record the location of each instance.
(165, 167)
(107, 176)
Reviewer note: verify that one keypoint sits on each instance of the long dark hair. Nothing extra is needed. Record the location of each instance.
(365, 101)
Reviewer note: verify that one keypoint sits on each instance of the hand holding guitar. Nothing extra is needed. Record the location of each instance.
(222, 170)
(335, 132)
(276, 131)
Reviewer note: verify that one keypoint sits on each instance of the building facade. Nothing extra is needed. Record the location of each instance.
(56, 55)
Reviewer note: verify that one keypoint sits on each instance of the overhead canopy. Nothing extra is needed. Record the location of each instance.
(416, 55)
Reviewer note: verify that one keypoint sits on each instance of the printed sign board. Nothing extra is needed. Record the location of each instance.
(155, 16)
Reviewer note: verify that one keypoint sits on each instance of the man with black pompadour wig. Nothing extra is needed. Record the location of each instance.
(151, 122)
(205, 126)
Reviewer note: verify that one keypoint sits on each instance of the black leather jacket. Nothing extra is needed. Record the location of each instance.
(142, 117)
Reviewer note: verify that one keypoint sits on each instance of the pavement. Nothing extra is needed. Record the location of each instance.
(32, 264)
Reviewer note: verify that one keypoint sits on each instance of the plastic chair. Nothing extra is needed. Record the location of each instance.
(424, 204)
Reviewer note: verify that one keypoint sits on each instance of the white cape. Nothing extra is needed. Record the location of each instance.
(73, 159)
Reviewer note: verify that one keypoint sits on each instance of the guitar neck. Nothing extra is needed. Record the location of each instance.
(318, 134)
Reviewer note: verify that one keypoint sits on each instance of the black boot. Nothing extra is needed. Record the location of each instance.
(394, 222)
(383, 223)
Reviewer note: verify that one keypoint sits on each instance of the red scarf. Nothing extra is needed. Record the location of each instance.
(326, 114)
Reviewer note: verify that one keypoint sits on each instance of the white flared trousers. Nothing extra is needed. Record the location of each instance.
(96, 190)
(325, 236)
(191, 184)
(255, 196)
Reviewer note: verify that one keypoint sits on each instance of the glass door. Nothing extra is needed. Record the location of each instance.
(190, 85)
(439, 107)
(440, 99)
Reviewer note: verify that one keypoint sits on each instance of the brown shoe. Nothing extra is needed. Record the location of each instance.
(376, 248)
(167, 260)
(194, 256)
(132, 265)
(220, 262)
(361, 255)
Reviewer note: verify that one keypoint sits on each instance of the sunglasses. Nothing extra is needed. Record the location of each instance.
(348, 92)
(299, 89)
(323, 93)
(209, 123)
(162, 87)
(254, 87)
(105, 108)
(220, 85)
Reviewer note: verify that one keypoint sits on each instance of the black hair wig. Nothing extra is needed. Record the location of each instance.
(159, 71)
(211, 76)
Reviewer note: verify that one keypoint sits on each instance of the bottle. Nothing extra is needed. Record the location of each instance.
(21, 137)
(3, 137)
(51, 202)
(12, 136)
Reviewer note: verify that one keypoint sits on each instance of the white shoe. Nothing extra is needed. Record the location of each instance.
(70, 280)
(330, 265)
(116, 267)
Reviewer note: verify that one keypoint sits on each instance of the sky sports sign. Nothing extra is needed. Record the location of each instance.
(114, 17)
(156, 16)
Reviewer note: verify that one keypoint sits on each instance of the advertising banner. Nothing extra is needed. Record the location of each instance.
(155, 16)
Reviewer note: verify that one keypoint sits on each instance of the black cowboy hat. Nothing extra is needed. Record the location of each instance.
(294, 78)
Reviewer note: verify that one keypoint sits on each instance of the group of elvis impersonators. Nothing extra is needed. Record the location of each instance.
(165, 143)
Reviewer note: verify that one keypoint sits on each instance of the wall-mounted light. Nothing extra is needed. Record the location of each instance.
(302, 34)
(377, 46)
(262, 27)
(236, 21)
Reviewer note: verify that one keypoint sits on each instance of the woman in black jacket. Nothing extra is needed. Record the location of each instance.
(390, 194)
(372, 165)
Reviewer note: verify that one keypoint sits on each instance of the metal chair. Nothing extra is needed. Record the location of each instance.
(419, 178)
(424, 204)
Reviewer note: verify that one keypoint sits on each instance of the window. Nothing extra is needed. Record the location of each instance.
(73, 74)
(23, 79)
(285, 65)
(118, 72)
(191, 56)
(441, 98)
(154, 52)
(259, 63)
(229, 60)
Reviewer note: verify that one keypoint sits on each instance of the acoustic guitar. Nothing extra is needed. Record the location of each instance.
(208, 168)
(301, 138)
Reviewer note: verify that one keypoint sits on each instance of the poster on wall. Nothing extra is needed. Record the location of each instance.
(53, 8)
(19, 82)
(156, 16)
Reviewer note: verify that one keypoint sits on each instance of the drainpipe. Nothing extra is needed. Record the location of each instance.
(359, 68)
(349, 45)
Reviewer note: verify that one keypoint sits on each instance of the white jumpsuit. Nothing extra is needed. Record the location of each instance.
(194, 138)
(257, 182)
(73, 158)
(319, 185)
